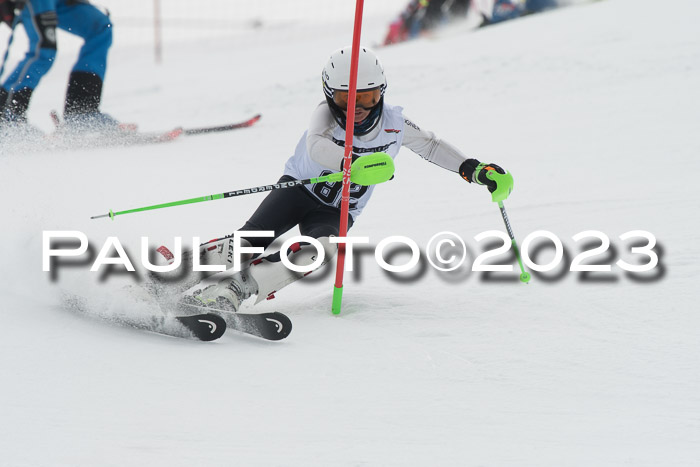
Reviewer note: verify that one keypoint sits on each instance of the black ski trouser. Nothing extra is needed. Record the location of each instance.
(282, 210)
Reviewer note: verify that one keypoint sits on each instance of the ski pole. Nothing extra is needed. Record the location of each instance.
(524, 276)
(15, 21)
(369, 170)
(504, 187)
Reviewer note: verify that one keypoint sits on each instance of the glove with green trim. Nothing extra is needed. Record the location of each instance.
(474, 171)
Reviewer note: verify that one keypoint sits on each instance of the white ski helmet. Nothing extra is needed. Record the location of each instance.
(371, 84)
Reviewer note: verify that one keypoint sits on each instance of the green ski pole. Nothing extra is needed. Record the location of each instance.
(504, 187)
(367, 170)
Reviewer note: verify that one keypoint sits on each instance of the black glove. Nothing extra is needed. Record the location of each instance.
(474, 171)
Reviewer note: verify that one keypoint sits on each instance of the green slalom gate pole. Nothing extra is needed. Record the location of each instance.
(504, 187)
(367, 170)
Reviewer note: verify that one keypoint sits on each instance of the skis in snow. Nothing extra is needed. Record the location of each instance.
(210, 326)
(185, 321)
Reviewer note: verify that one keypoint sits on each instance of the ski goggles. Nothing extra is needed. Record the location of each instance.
(363, 99)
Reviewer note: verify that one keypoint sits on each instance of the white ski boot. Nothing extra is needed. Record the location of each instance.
(262, 277)
(217, 252)
(225, 295)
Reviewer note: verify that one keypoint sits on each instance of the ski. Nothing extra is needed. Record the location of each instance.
(202, 326)
(121, 139)
(205, 327)
(207, 323)
(214, 129)
(187, 321)
(126, 135)
(272, 326)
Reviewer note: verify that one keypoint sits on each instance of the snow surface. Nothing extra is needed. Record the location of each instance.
(593, 108)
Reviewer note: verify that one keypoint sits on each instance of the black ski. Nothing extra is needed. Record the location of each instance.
(202, 326)
(131, 136)
(214, 129)
(192, 321)
(127, 135)
(205, 327)
(272, 326)
(120, 139)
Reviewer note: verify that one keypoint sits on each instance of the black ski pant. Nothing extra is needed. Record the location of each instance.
(282, 210)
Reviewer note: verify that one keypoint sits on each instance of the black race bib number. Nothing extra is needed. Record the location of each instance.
(330, 192)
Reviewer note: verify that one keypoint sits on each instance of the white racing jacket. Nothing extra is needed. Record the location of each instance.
(320, 152)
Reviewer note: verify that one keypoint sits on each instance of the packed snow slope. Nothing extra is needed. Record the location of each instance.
(593, 108)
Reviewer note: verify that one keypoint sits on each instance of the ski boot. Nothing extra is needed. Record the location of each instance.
(225, 295)
(81, 112)
(15, 131)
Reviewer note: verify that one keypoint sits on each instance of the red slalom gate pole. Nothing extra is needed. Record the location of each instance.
(347, 158)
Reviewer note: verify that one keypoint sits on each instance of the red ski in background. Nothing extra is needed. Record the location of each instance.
(128, 134)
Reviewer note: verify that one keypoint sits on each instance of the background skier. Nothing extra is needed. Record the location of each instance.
(40, 19)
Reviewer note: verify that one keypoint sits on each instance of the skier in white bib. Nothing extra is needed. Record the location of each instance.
(315, 209)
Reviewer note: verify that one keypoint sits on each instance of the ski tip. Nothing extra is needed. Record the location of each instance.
(205, 327)
(281, 323)
(170, 135)
(253, 120)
